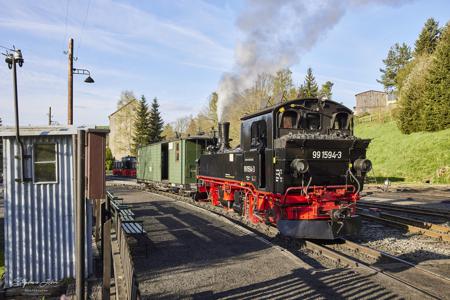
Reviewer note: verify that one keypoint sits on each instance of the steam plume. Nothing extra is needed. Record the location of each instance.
(276, 34)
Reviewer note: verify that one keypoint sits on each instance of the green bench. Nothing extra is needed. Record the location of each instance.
(129, 224)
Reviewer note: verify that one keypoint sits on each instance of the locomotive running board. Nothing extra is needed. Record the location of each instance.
(320, 230)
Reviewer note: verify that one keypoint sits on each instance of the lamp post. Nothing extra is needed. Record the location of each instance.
(14, 57)
(73, 71)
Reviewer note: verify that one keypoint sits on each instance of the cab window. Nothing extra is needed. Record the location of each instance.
(258, 133)
(312, 121)
(340, 121)
(289, 120)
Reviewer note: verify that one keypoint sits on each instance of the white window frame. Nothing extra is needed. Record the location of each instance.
(40, 162)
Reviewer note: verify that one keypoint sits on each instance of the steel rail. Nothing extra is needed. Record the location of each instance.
(396, 222)
(378, 255)
(409, 209)
(418, 223)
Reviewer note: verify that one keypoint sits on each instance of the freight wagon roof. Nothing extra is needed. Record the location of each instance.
(189, 138)
(278, 105)
(48, 130)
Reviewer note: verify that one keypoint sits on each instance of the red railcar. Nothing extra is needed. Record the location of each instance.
(125, 167)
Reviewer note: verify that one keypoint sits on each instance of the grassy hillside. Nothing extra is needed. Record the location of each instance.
(417, 157)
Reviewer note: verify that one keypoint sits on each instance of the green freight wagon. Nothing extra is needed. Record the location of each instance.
(171, 163)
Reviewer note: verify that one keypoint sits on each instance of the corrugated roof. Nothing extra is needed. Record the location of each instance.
(48, 130)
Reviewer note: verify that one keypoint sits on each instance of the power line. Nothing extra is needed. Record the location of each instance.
(82, 26)
(66, 20)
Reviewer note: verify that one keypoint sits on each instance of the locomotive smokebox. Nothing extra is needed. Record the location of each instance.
(224, 136)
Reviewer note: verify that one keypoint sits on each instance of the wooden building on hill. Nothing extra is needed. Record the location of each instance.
(374, 102)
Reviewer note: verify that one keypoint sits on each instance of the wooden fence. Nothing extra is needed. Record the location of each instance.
(379, 117)
(131, 289)
(115, 246)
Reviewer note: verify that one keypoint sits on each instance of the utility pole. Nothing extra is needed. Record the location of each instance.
(49, 115)
(70, 98)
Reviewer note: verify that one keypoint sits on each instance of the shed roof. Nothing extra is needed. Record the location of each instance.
(48, 130)
(370, 91)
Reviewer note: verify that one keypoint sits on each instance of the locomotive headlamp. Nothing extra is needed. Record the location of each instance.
(362, 165)
(299, 166)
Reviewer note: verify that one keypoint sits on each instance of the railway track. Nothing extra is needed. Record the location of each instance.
(410, 225)
(445, 214)
(345, 253)
(407, 224)
(404, 272)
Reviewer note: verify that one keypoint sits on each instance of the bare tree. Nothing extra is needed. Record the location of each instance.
(181, 124)
(125, 97)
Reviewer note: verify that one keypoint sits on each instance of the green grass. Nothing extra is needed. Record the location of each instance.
(418, 157)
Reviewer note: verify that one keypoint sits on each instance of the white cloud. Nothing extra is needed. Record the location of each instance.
(117, 31)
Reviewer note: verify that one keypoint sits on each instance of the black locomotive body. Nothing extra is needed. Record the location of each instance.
(298, 166)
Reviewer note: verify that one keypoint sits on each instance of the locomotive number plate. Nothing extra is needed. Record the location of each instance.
(327, 154)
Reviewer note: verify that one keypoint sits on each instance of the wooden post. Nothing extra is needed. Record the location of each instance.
(70, 87)
(98, 218)
(49, 115)
(106, 260)
(80, 217)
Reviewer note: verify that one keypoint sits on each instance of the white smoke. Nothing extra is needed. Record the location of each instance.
(276, 34)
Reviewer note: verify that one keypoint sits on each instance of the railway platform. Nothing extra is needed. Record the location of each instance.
(186, 252)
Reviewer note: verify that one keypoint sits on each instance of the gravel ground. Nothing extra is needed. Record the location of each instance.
(418, 249)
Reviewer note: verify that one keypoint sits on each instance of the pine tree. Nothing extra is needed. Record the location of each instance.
(428, 38)
(398, 56)
(309, 89)
(141, 135)
(437, 103)
(325, 90)
(155, 122)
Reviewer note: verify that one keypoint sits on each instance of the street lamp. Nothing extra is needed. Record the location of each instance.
(84, 72)
(72, 71)
(13, 57)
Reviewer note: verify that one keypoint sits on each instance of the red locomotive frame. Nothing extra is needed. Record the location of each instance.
(313, 203)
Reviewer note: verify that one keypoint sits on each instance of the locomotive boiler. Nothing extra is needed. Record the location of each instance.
(298, 166)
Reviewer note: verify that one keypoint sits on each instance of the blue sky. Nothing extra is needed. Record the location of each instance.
(176, 51)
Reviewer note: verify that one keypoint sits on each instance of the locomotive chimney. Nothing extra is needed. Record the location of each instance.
(224, 136)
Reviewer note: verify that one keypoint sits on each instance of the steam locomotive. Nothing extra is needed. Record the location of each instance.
(298, 166)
